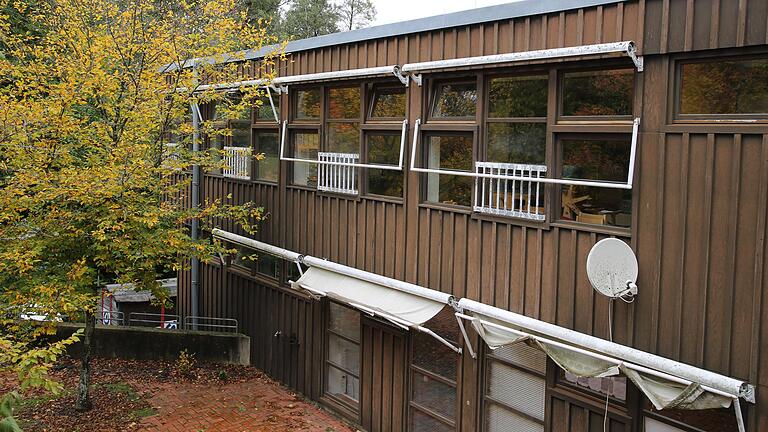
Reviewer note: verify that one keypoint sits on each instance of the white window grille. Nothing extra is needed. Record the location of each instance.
(520, 195)
(336, 172)
(238, 161)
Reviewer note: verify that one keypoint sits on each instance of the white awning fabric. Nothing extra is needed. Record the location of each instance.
(405, 308)
(666, 383)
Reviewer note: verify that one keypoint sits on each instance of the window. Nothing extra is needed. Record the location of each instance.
(343, 123)
(308, 104)
(724, 87)
(598, 93)
(433, 400)
(267, 143)
(614, 387)
(514, 389)
(679, 420)
(245, 258)
(450, 152)
(342, 365)
(605, 160)
(517, 115)
(264, 111)
(455, 100)
(388, 103)
(233, 146)
(306, 144)
(384, 148)
(383, 138)
(268, 265)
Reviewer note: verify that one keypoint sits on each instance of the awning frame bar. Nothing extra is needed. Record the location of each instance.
(625, 47)
(398, 167)
(545, 180)
(730, 386)
(619, 363)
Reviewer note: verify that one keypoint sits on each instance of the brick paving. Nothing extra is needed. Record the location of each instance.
(257, 405)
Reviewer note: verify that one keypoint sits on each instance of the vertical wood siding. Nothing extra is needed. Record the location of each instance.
(699, 224)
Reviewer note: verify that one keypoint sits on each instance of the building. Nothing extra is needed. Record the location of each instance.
(430, 97)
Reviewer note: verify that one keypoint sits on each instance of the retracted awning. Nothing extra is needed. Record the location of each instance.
(406, 305)
(666, 383)
(401, 307)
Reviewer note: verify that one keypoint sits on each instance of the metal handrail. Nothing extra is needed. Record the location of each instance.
(227, 324)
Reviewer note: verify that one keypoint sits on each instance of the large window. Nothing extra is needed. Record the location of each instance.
(730, 87)
(433, 401)
(342, 363)
(345, 125)
(514, 389)
(599, 159)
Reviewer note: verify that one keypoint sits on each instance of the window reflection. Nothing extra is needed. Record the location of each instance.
(518, 97)
(523, 143)
(305, 146)
(388, 103)
(449, 152)
(384, 150)
(455, 100)
(601, 160)
(308, 104)
(725, 87)
(344, 103)
(268, 167)
(598, 93)
(343, 354)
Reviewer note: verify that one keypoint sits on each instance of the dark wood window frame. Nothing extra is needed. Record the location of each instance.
(556, 200)
(347, 408)
(367, 125)
(488, 356)
(260, 125)
(556, 125)
(456, 384)
(676, 82)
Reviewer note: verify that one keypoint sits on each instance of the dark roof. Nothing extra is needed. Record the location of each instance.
(455, 19)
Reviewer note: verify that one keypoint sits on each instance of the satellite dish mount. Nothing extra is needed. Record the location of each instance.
(612, 269)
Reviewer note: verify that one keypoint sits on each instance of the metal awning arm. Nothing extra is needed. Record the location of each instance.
(272, 104)
(465, 335)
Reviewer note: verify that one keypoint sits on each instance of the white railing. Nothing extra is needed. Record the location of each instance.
(238, 161)
(340, 175)
(518, 195)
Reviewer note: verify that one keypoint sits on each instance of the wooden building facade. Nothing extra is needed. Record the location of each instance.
(695, 216)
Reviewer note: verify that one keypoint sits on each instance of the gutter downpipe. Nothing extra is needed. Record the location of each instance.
(195, 271)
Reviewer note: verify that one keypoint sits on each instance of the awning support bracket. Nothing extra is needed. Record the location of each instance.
(466, 336)
(272, 104)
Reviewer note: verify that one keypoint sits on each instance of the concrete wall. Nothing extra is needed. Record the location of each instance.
(143, 343)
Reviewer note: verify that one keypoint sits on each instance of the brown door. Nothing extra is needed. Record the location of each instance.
(382, 405)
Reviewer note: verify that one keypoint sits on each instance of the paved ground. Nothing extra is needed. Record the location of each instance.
(256, 405)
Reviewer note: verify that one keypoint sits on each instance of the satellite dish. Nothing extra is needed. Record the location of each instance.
(612, 269)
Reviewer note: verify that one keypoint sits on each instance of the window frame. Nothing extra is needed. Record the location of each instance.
(594, 119)
(456, 384)
(557, 190)
(364, 175)
(676, 80)
(351, 409)
(488, 356)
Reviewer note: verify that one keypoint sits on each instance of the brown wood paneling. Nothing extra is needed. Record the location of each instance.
(383, 378)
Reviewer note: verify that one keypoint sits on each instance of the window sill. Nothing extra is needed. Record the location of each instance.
(382, 198)
(447, 207)
(350, 413)
(598, 229)
(508, 220)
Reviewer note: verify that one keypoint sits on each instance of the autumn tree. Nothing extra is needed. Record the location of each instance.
(90, 191)
(355, 14)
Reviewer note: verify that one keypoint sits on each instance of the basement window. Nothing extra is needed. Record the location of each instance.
(342, 363)
(514, 389)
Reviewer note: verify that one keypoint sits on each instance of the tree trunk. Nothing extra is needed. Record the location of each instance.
(83, 399)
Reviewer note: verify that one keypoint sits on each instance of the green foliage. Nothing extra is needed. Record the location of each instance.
(310, 18)
(7, 404)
